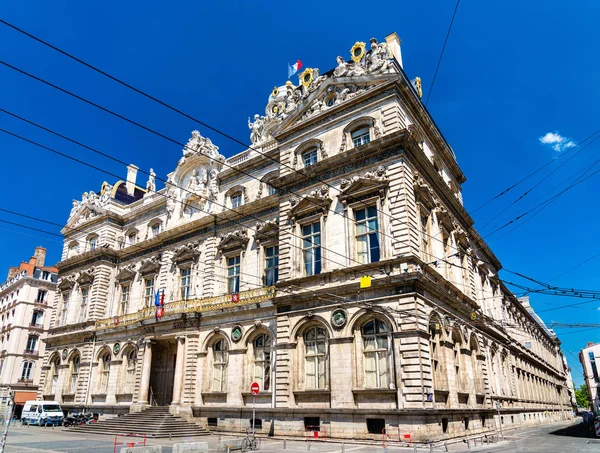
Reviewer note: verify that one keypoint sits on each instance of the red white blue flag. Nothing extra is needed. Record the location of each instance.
(293, 69)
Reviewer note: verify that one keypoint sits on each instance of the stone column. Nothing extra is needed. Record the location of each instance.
(146, 368)
(179, 362)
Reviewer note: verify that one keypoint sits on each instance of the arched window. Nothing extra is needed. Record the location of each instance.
(376, 350)
(262, 361)
(54, 366)
(130, 365)
(361, 136)
(310, 157)
(73, 249)
(131, 237)
(459, 368)
(27, 371)
(220, 359)
(74, 373)
(236, 200)
(315, 358)
(104, 372)
(92, 242)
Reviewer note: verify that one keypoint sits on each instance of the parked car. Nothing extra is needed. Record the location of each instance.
(42, 413)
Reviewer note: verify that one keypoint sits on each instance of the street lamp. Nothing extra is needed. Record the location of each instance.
(498, 406)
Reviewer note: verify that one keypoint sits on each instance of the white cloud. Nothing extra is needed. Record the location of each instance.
(557, 141)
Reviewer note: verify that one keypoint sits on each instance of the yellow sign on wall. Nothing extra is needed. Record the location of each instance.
(365, 281)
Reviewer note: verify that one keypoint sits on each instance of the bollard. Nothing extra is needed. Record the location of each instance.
(228, 449)
(308, 446)
(430, 448)
(170, 436)
(446, 446)
(284, 444)
(343, 447)
(469, 444)
(415, 448)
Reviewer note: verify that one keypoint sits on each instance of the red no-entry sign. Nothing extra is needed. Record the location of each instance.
(255, 388)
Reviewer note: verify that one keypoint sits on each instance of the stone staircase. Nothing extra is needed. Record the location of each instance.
(154, 422)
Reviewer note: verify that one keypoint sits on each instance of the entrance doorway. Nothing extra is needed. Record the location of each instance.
(162, 375)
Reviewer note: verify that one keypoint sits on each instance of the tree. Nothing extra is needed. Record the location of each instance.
(581, 394)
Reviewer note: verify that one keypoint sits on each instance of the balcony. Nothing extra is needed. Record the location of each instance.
(42, 301)
(35, 325)
(30, 352)
(25, 381)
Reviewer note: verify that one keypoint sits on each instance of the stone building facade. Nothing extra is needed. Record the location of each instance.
(332, 262)
(589, 358)
(25, 307)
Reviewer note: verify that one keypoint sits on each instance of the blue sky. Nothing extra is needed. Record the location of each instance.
(513, 72)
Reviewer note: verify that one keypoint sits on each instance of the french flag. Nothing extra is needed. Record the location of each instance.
(293, 69)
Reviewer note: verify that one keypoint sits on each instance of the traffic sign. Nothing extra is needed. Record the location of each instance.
(255, 388)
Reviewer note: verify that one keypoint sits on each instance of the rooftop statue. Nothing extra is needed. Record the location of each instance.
(378, 60)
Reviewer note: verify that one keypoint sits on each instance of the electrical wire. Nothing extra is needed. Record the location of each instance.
(442, 52)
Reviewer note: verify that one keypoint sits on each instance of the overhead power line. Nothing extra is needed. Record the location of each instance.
(437, 68)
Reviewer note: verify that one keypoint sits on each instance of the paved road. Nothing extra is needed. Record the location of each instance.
(556, 438)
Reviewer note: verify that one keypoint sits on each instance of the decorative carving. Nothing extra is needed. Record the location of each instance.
(256, 128)
(360, 186)
(200, 145)
(234, 240)
(267, 231)
(66, 284)
(357, 52)
(236, 333)
(150, 266)
(339, 317)
(188, 252)
(125, 274)
(378, 59)
(151, 184)
(317, 200)
(86, 277)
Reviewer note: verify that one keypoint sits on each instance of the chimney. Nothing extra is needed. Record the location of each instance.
(40, 256)
(131, 177)
(12, 271)
(393, 42)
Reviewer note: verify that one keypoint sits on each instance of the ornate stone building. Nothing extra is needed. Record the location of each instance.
(332, 262)
(25, 307)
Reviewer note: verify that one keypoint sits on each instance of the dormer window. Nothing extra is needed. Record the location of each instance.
(236, 200)
(309, 157)
(361, 136)
(132, 238)
(92, 242)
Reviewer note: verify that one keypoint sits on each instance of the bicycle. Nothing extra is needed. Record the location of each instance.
(250, 442)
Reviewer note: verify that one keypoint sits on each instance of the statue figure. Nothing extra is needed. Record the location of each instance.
(84, 198)
(197, 183)
(171, 201)
(75, 207)
(151, 184)
(378, 60)
(200, 145)
(341, 69)
(213, 185)
(256, 128)
(193, 144)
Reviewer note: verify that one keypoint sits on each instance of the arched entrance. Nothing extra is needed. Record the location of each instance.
(164, 356)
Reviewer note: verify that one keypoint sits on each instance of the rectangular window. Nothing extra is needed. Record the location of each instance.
(27, 372)
(32, 342)
(155, 230)
(311, 248)
(271, 190)
(367, 235)
(37, 318)
(309, 158)
(233, 274)
(124, 299)
(131, 239)
(84, 302)
(425, 237)
(271, 265)
(186, 282)
(64, 309)
(92, 243)
(45, 275)
(236, 200)
(41, 296)
(149, 291)
(361, 137)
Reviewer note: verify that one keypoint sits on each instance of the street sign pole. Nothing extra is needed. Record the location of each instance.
(254, 388)
(11, 405)
(498, 406)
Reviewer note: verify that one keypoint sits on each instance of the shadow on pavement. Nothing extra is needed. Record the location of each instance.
(578, 430)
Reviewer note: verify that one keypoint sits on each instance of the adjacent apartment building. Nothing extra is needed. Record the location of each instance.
(25, 304)
(332, 262)
(590, 361)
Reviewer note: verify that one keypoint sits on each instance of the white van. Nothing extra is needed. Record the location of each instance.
(42, 413)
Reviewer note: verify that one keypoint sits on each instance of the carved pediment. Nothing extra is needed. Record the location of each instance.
(85, 278)
(267, 231)
(150, 266)
(234, 240)
(358, 187)
(315, 201)
(66, 284)
(125, 274)
(188, 252)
